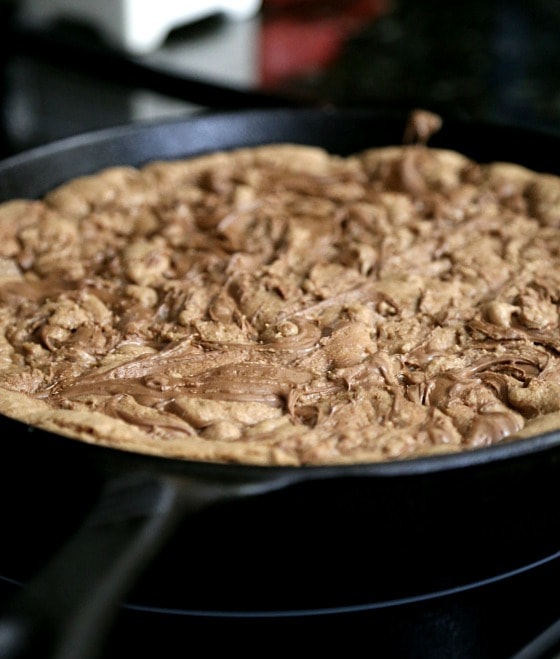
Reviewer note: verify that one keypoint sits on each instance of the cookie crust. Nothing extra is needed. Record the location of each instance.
(280, 305)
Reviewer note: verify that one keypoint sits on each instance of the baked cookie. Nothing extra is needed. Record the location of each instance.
(280, 305)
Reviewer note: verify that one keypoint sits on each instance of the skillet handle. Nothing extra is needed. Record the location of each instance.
(66, 611)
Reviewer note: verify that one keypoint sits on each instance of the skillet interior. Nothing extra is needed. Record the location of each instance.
(370, 533)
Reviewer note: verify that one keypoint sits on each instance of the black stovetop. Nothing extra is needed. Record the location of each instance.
(495, 619)
(483, 61)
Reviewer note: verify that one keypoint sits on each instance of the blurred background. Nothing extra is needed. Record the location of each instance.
(69, 66)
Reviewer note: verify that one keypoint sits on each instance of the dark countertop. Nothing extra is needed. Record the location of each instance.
(483, 61)
(495, 61)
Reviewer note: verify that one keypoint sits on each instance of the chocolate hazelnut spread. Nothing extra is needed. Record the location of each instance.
(280, 305)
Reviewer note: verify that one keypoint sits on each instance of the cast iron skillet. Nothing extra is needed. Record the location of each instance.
(257, 537)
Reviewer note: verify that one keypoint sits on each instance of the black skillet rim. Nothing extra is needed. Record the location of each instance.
(259, 120)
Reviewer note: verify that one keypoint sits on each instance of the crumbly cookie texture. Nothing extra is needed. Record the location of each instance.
(280, 305)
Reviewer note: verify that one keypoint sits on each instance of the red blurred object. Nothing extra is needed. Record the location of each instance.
(300, 37)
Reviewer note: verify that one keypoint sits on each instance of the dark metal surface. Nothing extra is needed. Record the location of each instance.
(339, 130)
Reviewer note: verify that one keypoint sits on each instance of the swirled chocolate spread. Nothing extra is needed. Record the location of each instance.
(280, 305)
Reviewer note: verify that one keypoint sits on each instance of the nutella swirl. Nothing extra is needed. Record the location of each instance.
(282, 305)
